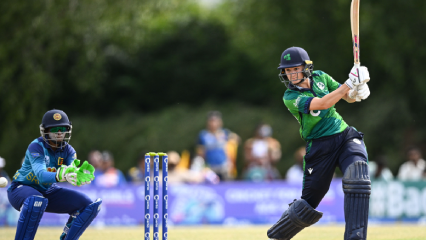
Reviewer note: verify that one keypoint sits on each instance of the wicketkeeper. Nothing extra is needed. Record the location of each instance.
(330, 142)
(50, 159)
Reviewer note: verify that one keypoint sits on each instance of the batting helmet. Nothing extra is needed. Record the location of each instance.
(293, 57)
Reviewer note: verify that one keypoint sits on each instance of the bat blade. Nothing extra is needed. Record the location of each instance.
(355, 31)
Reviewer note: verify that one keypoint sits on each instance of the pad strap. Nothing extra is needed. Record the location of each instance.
(31, 212)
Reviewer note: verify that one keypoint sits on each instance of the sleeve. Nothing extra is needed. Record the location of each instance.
(298, 104)
(71, 156)
(331, 83)
(36, 157)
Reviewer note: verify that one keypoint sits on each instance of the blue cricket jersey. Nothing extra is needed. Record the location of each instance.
(214, 146)
(41, 162)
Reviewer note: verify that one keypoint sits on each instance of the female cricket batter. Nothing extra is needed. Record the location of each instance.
(50, 159)
(330, 142)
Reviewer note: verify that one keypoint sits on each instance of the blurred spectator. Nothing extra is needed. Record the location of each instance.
(261, 153)
(136, 174)
(181, 175)
(212, 146)
(3, 173)
(413, 169)
(111, 176)
(295, 173)
(95, 158)
(379, 170)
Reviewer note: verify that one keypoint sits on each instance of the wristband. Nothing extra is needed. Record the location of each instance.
(349, 84)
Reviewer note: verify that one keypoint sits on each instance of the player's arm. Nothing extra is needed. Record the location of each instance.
(347, 98)
(36, 157)
(330, 99)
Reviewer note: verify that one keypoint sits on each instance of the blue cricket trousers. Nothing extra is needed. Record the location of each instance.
(61, 200)
(322, 157)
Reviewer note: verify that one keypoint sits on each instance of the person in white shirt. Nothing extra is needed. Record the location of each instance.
(413, 169)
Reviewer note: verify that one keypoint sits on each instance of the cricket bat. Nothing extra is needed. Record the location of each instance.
(355, 36)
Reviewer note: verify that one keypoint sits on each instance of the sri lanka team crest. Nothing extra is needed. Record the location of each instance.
(60, 161)
(57, 116)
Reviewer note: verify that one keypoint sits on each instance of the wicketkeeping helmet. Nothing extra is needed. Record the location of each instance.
(293, 57)
(56, 118)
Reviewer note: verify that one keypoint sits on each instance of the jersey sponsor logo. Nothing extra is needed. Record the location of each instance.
(51, 169)
(47, 160)
(320, 85)
(357, 141)
(38, 203)
(310, 170)
(60, 161)
(296, 103)
(57, 116)
(35, 154)
(315, 114)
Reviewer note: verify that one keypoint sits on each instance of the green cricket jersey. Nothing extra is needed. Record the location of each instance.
(314, 123)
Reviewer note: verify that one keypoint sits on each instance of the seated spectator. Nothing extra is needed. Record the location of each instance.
(111, 177)
(136, 174)
(379, 170)
(3, 173)
(295, 173)
(183, 175)
(95, 158)
(261, 153)
(413, 168)
(212, 143)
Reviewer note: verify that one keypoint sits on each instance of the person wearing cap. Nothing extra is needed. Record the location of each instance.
(330, 142)
(50, 159)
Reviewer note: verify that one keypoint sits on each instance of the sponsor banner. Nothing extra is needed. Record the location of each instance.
(235, 203)
(397, 200)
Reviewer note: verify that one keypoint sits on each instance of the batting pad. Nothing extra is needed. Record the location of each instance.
(83, 220)
(298, 216)
(31, 212)
(357, 189)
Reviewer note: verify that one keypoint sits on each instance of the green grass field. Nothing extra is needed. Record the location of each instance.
(388, 232)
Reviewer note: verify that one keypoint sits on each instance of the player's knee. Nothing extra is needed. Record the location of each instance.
(356, 178)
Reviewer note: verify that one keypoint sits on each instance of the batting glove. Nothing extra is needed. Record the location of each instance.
(357, 76)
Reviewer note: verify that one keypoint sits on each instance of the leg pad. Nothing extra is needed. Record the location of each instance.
(298, 216)
(357, 189)
(31, 212)
(83, 220)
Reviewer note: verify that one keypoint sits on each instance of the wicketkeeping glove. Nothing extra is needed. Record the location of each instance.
(85, 173)
(67, 174)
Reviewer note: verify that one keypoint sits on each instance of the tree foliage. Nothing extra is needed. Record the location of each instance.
(103, 60)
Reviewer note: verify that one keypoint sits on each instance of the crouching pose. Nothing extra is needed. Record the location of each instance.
(50, 159)
(330, 142)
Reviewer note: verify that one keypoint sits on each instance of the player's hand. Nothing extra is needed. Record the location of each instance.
(67, 174)
(357, 76)
(85, 173)
(363, 91)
